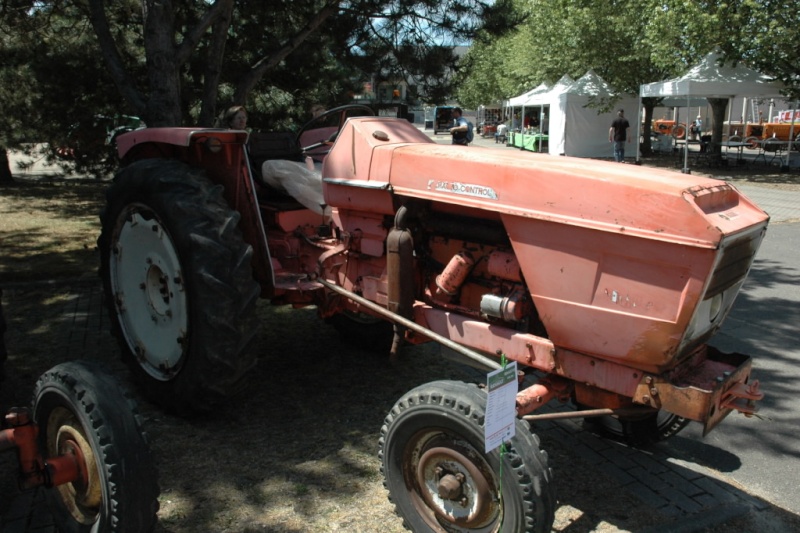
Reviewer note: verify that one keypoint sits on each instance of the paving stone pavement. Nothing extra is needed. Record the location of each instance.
(780, 204)
(692, 496)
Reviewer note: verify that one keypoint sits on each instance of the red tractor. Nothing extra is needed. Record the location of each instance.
(603, 282)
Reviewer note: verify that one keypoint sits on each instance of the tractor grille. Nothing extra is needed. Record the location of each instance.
(735, 262)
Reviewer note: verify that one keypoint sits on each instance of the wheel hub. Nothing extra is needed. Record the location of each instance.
(158, 292)
(455, 484)
(84, 496)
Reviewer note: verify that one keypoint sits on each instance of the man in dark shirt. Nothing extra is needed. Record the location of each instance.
(460, 129)
(618, 134)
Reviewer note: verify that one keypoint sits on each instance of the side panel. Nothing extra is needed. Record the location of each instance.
(610, 295)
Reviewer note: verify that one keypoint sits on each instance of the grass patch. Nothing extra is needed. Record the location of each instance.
(49, 229)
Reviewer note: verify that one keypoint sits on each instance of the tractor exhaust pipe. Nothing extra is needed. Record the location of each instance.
(400, 274)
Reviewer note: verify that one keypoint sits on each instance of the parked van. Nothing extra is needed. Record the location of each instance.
(442, 118)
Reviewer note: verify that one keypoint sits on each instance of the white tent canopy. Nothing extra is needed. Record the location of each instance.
(581, 131)
(713, 79)
(574, 128)
(520, 100)
(546, 98)
(709, 79)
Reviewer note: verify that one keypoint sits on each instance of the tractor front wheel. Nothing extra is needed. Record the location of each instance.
(178, 283)
(441, 480)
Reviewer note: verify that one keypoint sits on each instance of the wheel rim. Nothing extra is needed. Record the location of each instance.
(149, 292)
(83, 497)
(450, 483)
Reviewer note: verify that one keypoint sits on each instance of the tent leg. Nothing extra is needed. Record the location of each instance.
(686, 169)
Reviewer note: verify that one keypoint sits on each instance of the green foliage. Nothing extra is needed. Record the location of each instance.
(767, 36)
(67, 63)
(628, 43)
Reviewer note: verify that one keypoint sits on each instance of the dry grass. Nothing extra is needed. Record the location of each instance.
(49, 228)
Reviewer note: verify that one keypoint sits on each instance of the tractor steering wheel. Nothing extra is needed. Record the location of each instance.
(318, 134)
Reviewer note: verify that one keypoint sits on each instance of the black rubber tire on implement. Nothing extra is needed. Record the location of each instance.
(77, 404)
(178, 284)
(438, 429)
(640, 431)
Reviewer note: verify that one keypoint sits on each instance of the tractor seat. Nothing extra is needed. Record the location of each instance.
(280, 169)
(301, 181)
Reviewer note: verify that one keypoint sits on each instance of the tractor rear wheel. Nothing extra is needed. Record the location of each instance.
(178, 283)
(441, 480)
(363, 331)
(81, 410)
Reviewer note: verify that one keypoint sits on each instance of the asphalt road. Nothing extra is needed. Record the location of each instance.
(762, 453)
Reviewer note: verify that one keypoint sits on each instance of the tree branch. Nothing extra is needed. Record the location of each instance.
(116, 69)
(220, 8)
(213, 70)
(249, 80)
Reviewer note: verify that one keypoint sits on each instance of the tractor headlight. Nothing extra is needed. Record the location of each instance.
(714, 308)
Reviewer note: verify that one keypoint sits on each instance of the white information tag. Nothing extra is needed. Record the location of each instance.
(501, 412)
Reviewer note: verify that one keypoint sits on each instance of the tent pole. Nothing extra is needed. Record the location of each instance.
(638, 130)
(685, 168)
(541, 129)
(791, 137)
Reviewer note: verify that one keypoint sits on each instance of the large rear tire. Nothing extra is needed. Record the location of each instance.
(178, 284)
(363, 331)
(440, 479)
(81, 410)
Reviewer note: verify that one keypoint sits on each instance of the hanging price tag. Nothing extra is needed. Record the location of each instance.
(501, 414)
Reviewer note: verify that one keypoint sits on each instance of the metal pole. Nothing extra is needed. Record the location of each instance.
(588, 413)
(639, 128)
(791, 136)
(685, 138)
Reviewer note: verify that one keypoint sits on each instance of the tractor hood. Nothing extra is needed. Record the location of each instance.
(392, 154)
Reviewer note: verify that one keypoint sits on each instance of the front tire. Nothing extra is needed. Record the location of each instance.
(439, 477)
(81, 410)
(178, 284)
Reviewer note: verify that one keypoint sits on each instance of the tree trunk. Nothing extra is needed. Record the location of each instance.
(213, 70)
(647, 126)
(164, 104)
(718, 107)
(5, 167)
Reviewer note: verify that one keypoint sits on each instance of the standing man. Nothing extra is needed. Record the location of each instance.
(618, 134)
(460, 129)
